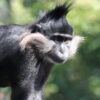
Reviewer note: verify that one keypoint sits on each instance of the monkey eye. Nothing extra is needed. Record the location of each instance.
(61, 37)
(67, 40)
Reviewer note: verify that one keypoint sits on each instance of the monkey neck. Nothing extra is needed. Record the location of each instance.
(42, 75)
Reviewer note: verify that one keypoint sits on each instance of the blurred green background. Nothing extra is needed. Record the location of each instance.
(79, 78)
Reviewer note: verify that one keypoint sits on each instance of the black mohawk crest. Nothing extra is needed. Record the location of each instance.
(59, 11)
(56, 13)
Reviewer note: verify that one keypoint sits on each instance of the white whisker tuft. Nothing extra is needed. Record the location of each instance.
(75, 44)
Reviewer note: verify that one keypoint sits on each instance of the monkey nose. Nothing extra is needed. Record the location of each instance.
(62, 48)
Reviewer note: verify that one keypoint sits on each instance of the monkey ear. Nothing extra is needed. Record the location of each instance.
(57, 13)
(34, 28)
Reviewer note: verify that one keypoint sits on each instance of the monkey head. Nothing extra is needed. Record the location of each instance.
(54, 26)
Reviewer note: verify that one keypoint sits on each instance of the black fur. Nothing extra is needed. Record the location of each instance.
(53, 21)
(26, 71)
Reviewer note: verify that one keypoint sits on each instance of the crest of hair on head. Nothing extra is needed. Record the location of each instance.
(58, 12)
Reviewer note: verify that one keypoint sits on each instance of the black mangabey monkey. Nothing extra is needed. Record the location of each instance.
(28, 52)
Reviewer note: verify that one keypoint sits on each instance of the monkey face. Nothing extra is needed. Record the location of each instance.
(67, 46)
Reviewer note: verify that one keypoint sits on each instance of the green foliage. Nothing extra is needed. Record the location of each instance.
(79, 78)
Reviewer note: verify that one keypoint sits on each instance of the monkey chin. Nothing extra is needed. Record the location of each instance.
(61, 61)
